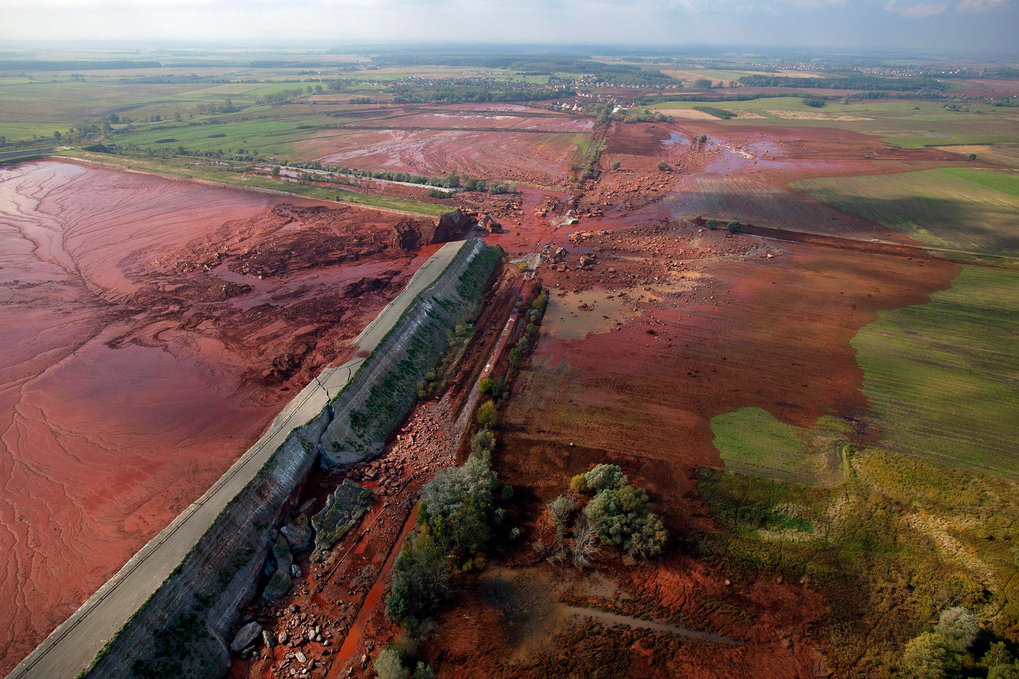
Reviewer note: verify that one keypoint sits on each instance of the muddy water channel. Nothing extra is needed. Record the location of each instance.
(131, 376)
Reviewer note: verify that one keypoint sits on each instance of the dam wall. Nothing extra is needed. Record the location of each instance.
(186, 627)
(173, 608)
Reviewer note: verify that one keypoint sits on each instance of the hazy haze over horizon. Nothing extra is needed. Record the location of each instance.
(976, 26)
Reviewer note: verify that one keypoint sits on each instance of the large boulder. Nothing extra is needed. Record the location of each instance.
(279, 583)
(245, 637)
(451, 226)
(299, 533)
(344, 508)
(278, 586)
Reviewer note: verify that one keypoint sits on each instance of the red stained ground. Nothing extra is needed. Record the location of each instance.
(151, 330)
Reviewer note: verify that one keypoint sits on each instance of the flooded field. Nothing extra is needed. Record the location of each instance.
(152, 329)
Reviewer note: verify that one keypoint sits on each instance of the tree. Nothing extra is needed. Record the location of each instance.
(1010, 671)
(457, 506)
(927, 657)
(585, 542)
(702, 84)
(996, 655)
(623, 518)
(486, 416)
(388, 664)
(703, 138)
(959, 627)
(605, 477)
(483, 443)
(423, 671)
(734, 226)
(712, 224)
(420, 581)
(560, 509)
(663, 166)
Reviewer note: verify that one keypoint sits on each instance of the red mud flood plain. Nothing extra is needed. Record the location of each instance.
(542, 158)
(674, 326)
(151, 329)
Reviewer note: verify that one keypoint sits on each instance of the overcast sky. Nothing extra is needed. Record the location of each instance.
(924, 25)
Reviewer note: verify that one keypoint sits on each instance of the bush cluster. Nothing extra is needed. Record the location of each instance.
(391, 663)
(455, 519)
(622, 514)
(618, 515)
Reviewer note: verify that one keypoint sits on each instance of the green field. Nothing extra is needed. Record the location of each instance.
(943, 378)
(889, 549)
(261, 136)
(999, 154)
(953, 208)
(911, 124)
(204, 170)
(38, 107)
(753, 441)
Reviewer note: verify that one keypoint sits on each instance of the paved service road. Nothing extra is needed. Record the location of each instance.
(71, 647)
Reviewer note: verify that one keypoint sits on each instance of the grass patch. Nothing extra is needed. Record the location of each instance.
(268, 136)
(716, 112)
(943, 378)
(190, 168)
(753, 441)
(903, 539)
(901, 122)
(952, 208)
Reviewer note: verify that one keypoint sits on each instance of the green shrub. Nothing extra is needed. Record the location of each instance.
(959, 627)
(623, 518)
(605, 477)
(423, 671)
(388, 664)
(483, 443)
(420, 582)
(927, 657)
(663, 166)
(486, 385)
(579, 483)
(734, 226)
(457, 506)
(712, 224)
(486, 415)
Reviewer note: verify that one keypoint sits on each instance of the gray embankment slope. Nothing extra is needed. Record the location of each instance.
(182, 590)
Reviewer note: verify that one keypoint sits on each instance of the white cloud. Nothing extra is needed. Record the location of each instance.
(979, 5)
(921, 9)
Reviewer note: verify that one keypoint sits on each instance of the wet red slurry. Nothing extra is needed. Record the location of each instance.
(741, 330)
(151, 330)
